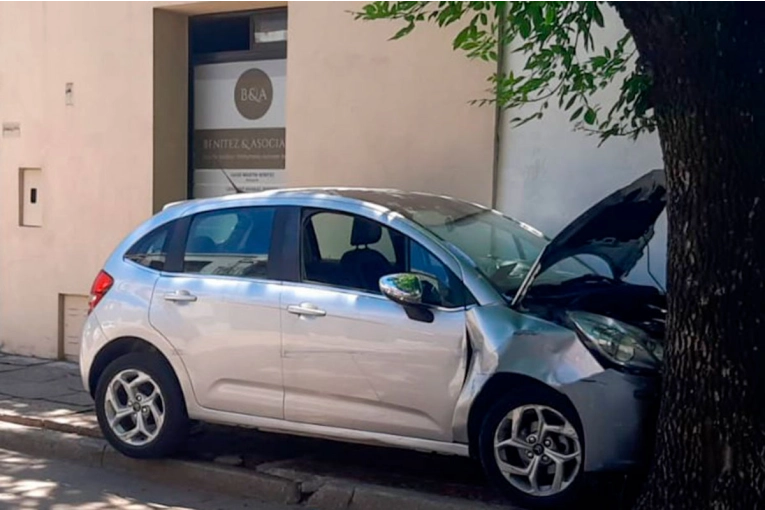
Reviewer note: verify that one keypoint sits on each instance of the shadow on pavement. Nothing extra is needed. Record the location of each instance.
(307, 458)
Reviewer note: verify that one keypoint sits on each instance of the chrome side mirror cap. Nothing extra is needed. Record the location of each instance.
(402, 288)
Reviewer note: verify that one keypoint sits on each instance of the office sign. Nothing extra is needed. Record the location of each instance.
(239, 127)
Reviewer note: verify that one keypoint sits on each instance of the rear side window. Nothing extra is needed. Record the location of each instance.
(230, 242)
(151, 250)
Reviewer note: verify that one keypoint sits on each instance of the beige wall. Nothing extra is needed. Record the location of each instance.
(96, 156)
(362, 110)
(171, 105)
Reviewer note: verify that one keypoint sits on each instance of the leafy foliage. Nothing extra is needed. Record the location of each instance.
(562, 62)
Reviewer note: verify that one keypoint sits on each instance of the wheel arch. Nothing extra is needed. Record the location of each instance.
(496, 387)
(116, 349)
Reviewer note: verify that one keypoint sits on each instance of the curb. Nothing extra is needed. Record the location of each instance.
(96, 453)
(50, 424)
(317, 494)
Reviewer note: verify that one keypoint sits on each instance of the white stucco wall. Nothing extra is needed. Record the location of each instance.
(549, 174)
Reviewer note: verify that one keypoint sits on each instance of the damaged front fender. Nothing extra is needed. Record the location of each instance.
(505, 341)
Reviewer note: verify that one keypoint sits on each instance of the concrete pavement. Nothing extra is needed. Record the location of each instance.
(45, 393)
(33, 482)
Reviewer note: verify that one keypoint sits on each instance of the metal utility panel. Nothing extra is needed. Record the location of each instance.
(31, 197)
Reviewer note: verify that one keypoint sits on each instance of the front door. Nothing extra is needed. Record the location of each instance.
(221, 312)
(354, 359)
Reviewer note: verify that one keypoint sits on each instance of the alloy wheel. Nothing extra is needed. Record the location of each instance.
(134, 407)
(537, 450)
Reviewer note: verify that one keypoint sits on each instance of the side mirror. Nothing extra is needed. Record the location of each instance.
(402, 288)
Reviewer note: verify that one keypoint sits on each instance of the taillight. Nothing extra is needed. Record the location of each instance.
(101, 286)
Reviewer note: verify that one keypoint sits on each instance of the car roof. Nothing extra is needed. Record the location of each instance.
(403, 202)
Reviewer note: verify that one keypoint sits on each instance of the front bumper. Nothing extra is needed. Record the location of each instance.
(618, 413)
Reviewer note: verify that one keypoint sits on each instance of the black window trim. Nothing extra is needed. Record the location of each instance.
(306, 212)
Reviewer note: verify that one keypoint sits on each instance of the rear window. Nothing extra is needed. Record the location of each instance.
(151, 250)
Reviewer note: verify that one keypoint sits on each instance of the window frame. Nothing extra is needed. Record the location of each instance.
(297, 247)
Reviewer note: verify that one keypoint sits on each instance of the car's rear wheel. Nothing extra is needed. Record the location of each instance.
(531, 447)
(140, 406)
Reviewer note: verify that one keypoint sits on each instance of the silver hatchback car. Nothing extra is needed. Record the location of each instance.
(389, 318)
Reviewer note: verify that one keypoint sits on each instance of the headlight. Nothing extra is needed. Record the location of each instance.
(618, 342)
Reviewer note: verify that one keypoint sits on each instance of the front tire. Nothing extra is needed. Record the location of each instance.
(140, 407)
(531, 447)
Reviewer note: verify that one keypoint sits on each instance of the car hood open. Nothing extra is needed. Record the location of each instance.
(616, 229)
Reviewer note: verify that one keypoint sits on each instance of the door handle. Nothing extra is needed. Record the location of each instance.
(306, 309)
(181, 296)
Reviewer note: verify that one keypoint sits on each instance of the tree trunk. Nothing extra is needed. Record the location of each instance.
(708, 67)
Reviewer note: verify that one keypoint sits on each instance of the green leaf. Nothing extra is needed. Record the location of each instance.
(577, 113)
(461, 37)
(570, 103)
(598, 62)
(404, 31)
(535, 9)
(524, 27)
(598, 16)
(590, 116)
(549, 14)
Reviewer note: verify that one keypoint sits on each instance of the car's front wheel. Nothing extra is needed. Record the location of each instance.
(531, 448)
(140, 406)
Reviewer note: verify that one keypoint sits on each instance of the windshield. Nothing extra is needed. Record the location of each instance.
(502, 249)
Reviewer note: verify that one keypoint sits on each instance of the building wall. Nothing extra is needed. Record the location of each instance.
(549, 174)
(366, 111)
(95, 155)
(361, 111)
(171, 107)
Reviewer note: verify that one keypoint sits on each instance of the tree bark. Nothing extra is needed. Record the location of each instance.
(708, 66)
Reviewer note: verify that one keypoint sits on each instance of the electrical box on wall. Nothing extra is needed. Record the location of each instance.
(30, 187)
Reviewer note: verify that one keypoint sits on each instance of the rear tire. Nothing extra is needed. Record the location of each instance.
(531, 448)
(140, 406)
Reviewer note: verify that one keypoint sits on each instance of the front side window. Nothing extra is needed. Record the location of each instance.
(349, 251)
(354, 252)
(441, 287)
(151, 250)
(230, 242)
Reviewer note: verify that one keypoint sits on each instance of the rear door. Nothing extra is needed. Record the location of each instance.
(221, 310)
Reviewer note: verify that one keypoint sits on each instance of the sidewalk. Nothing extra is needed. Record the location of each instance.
(45, 394)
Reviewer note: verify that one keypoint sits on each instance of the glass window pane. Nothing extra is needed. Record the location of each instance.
(270, 27)
(441, 287)
(348, 251)
(231, 242)
(215, 34)
(151, 250)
